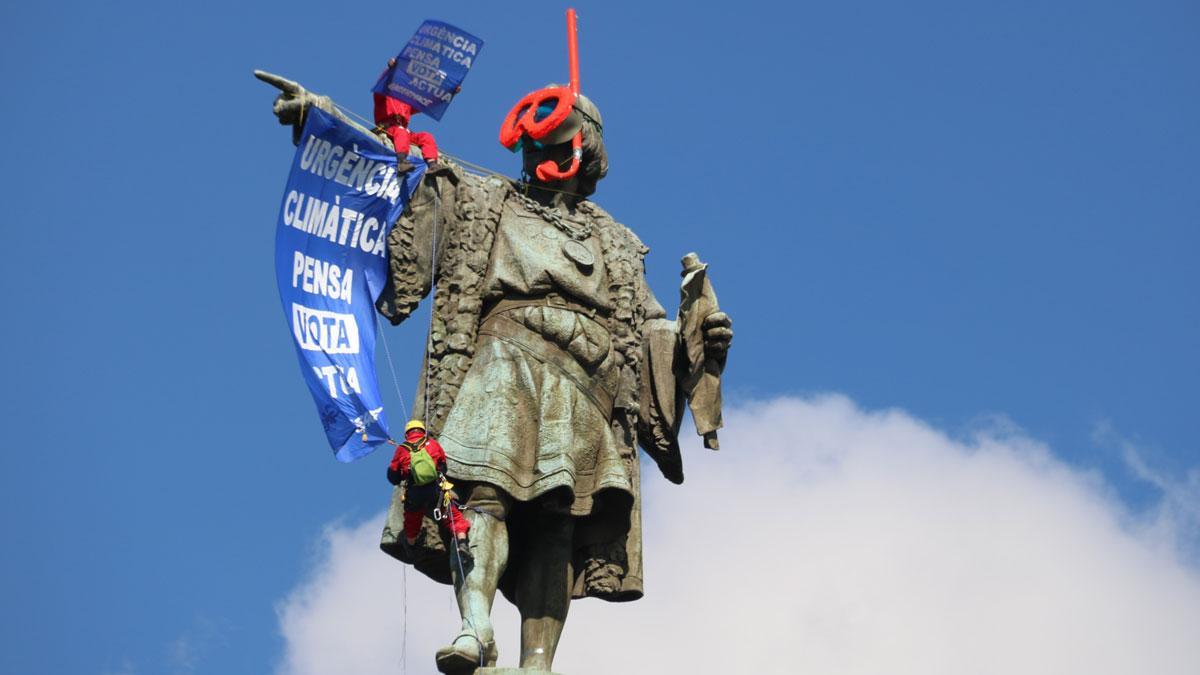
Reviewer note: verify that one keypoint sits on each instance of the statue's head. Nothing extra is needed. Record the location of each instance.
(542, 126)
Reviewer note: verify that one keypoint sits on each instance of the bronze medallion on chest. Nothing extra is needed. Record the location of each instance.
(578, 253)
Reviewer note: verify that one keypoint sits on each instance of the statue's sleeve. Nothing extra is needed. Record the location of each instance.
(412, 241)
(661, 396)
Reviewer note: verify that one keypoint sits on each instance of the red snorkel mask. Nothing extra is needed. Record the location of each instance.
(541, 112)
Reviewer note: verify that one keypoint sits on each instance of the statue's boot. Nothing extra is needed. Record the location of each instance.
(465, 654)
(475, 644)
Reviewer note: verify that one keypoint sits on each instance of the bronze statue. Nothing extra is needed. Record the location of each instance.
(548, 361)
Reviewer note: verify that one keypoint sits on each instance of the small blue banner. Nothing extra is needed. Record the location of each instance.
(331, 263)
(431, 67)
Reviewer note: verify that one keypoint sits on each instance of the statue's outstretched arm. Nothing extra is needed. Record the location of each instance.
(416, 239)
(294, 101)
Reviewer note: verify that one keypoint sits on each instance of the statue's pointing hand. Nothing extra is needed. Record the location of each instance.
(718, 335)
(290, 103)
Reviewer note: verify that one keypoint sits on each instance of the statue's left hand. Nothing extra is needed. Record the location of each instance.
(718, 335)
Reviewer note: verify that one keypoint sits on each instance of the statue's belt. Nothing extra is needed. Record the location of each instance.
(549, 300)
(503, 328)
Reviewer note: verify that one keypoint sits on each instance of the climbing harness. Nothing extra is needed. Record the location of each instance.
(444, 501)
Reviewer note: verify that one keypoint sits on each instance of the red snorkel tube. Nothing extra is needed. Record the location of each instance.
(522, 119)
(548, 170)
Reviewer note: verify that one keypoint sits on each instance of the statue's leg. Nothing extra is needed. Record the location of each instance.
(544, 589)
(476, 641)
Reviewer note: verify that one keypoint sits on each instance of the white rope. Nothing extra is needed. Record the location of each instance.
(433, 256)
(391, 367)
(404, 624)
(469, 166)
(403, 568)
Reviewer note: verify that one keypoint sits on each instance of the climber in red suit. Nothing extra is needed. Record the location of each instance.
(392, 116)
(419, 463)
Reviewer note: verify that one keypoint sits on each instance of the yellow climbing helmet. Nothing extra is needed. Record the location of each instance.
(414, 424)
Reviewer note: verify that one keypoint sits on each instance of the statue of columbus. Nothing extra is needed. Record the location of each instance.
(549, 362)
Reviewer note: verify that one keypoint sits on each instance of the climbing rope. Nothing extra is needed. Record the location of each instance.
(433, 260)
(472, 167)
(403, 568)
(462, 574)
(391, 366)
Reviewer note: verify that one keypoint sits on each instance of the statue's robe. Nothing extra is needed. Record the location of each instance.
(545, 399)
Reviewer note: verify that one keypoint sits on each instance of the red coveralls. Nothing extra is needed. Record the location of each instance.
(420, 498)
(393, 116)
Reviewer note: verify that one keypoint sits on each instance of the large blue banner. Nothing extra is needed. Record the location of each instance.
(431, 67)
(331, 263)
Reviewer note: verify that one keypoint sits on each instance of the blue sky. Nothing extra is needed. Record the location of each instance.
(965, 212)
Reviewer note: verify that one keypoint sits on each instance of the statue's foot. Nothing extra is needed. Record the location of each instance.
(465, 654)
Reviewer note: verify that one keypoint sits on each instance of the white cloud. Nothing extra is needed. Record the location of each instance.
(1174, 522)
(825, 539)
(349, 617)
(187, 652)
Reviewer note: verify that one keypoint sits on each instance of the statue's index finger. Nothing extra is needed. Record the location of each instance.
(279, 82)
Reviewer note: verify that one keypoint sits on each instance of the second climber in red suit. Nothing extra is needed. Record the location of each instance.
(423, 491)
(392, 116)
